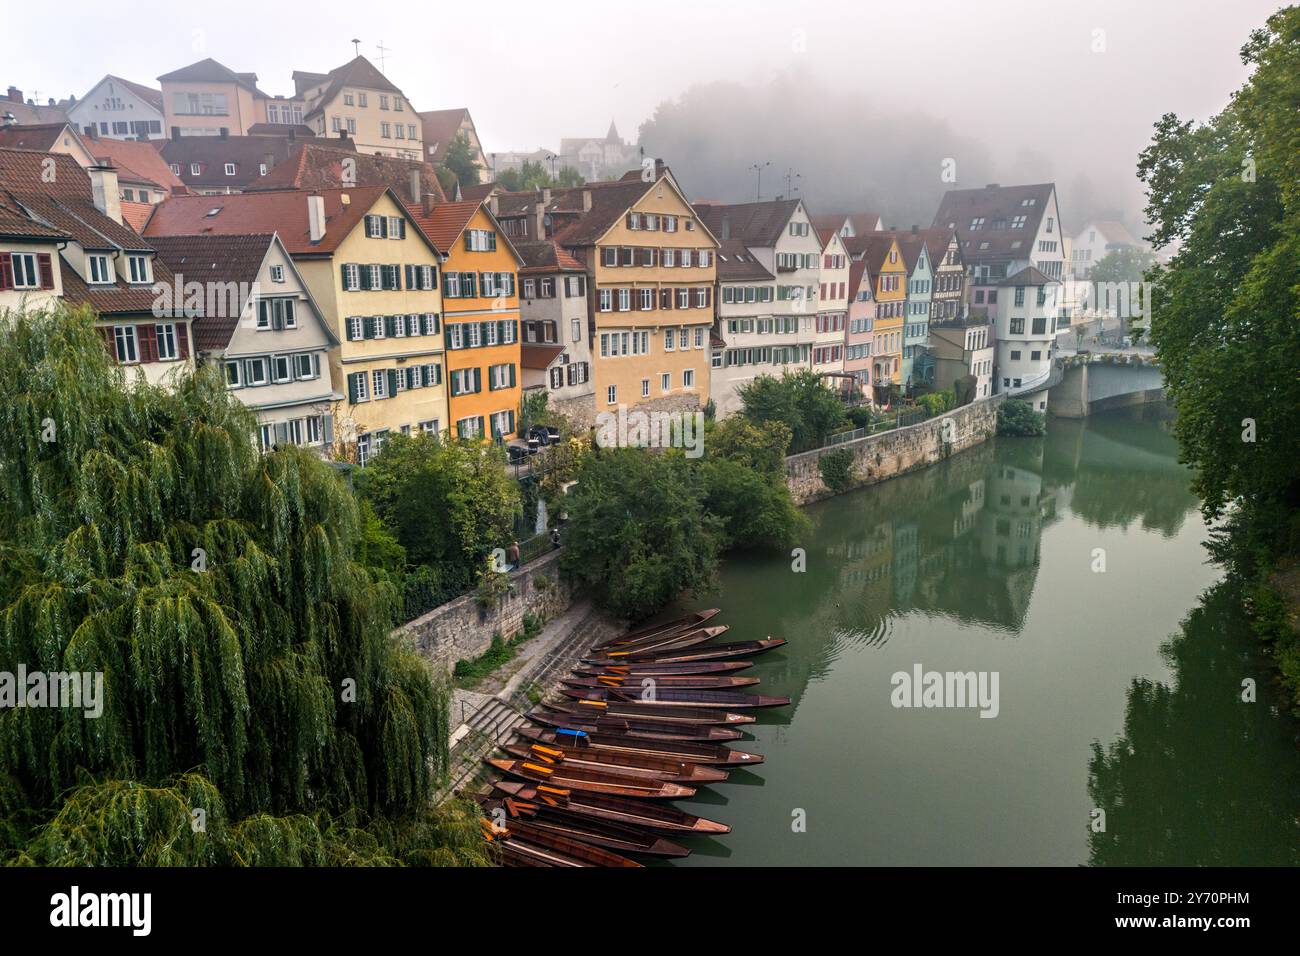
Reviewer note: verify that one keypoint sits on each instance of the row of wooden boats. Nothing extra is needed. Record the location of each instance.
(643, 721)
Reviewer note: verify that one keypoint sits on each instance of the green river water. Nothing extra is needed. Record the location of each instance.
(1119, 691)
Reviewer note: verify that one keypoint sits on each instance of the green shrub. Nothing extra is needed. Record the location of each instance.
(1018, 419)
(836, 468)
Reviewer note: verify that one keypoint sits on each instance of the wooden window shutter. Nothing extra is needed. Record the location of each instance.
(106, 333)
(410, 276)
(46, 267)
(390, 326)
(183, 339)
(6, 271)
(327, 429)
(392, 382)
(352, 387)
(148, 344)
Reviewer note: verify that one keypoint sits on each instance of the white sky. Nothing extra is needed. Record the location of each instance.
(1016, 73)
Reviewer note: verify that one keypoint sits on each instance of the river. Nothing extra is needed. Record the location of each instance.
(1073, 568)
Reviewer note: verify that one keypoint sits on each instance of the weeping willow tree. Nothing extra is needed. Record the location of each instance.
(255, 710)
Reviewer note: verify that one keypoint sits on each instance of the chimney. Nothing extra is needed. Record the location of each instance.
(586, 200)
(415, 186)
(176, 132)
(316, 218)
(104, 191)
(914, 230)
(492, 203)
(539, 221)
(726, 228)
(15, 94)
(225, 132)
(268, 159)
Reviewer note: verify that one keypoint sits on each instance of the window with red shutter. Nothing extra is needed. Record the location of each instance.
(147, 338)
(106, 333)
(183, 339)
(46, 268)
(6, 272)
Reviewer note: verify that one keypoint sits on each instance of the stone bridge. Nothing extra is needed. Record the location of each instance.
(1093, 383)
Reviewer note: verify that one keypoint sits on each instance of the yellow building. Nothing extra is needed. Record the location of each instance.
(358, 101)
(652, 266)
(480, 295)
(375, 275)
(884, 261)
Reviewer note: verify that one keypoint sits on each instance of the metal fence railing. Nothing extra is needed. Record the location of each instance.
(901, 419)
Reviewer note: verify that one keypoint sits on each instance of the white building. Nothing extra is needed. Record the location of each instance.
(745, 334)
(115, 108)
(832, 306)
(555, 337)
(1099, 237)
(1025, 332)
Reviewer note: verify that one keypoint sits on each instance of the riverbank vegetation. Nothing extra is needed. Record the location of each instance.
(253, 708)
(1017, 419)
(1226, 195)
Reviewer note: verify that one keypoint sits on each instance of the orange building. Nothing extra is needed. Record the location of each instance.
(884, 261)
(480, 299)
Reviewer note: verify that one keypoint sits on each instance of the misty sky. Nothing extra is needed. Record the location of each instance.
(1019, 78)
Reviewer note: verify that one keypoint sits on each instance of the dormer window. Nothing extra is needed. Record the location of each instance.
(230, 169)
(99, 270)
(175, 168)
(138, 269)
(196, 169)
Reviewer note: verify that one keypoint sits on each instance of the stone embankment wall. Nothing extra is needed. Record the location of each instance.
(892, 453)
(463, 628)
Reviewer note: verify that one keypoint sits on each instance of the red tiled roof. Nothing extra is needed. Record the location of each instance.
(608, 204)
(320, 165)
(284, 213)
(15, 223)
(40, 138)
(546, 255)
(538, 356)
(136, 214)
(440, 128)
(118, 298)
(446, 221)
(224, 259)
(141, 159)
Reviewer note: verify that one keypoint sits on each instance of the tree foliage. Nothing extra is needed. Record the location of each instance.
(535, 175)
(1017, 419)
(1226, 307)
(247, 666)
(459, 161)
(800, 400)
(448, 503)
(638, 534)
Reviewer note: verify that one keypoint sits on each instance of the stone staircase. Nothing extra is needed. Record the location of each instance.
(495, 719)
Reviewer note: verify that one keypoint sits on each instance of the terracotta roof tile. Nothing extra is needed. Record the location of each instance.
(320, 165)
(136, 214)
(756, 223)
(142, 159)
(211, 258)
(440, 128)
(536, 356)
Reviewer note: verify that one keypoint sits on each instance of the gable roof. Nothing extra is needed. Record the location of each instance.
(212, 153)
(756, 223)
(138, 161)
(62, 203)
(444, 223)
(147, 93)
(136, 214)
(937, 241)
(608, 204)
(358, 72)
(994, 203)
(910, 245)
(1029, 276)
(875, 249)
(545, 255)
(1114, 231)
(857, 269)
(284, 213)
(319, 165)
(440, 128)
(211, 258)
(42, 137)
(737, 264)
(30, 114)
(210, 71)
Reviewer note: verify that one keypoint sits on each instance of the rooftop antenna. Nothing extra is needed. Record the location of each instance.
(356, 47)
(791, 181)
(383, 51)
(758, 186)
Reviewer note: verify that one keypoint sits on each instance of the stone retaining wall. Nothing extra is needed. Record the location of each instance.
(463, 629)
(893, 453)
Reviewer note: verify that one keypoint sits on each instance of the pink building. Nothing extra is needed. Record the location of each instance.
(858, 329)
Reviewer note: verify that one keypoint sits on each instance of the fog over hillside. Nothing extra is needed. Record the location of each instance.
(853, 154)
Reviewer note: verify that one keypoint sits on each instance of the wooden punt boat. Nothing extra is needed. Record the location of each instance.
(686, 751)
(621, 706)
(638, 729)
(710, 652)
(524, 818)
(605, 761)
(534, 846)
(593, 781)
(667, 698)
(668, 642)
(636, 681)
(662, 670)
(687, 623)
(660, 817)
